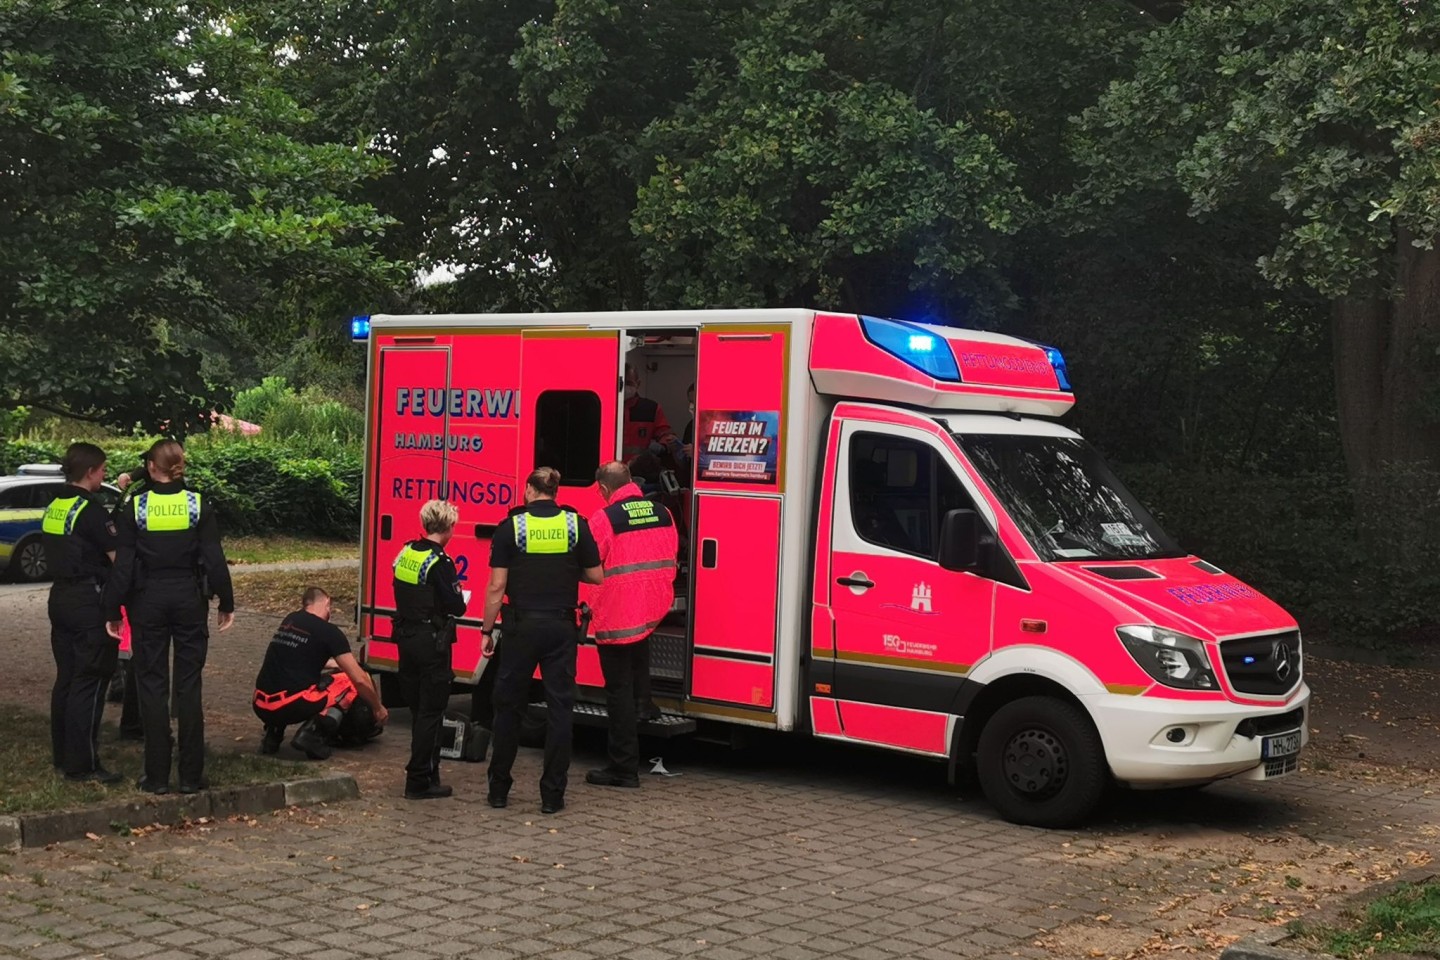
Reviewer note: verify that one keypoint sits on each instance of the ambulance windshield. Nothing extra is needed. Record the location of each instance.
(1065, 499)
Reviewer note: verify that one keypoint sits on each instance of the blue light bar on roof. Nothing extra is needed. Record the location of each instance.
(1057, 363)
(1057, 360)
(921, 349)
(360, 328)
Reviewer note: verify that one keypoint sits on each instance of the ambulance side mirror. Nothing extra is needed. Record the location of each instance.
(960, 540)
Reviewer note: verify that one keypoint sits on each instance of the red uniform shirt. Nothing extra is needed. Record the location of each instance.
(644, 423)
(638, 545)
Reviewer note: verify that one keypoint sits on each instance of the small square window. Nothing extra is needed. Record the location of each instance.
(567, 435)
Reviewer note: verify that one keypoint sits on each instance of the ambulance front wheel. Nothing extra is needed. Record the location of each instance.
(1041, 762)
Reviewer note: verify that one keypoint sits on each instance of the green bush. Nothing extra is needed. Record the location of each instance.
(311, 421)
(314, 422)
(1325, 550)
(258, 485)
(255, 404)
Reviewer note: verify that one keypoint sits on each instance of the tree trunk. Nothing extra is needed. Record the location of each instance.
(1385, 361)
(1381, 369)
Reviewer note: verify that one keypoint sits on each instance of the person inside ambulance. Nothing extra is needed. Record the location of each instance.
(687, 439)
(646, 429)
(293, 687)
(638, 545)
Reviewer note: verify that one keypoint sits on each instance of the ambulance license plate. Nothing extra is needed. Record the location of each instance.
(1280, 745)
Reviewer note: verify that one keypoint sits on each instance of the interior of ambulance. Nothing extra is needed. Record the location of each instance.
(662, 366)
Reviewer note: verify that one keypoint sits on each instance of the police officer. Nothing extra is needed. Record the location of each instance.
(538, 557)
(427, 596)
(169, 551)
(80, 546)
(132, 484)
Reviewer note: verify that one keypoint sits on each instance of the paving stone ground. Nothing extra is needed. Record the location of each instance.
(787, 849)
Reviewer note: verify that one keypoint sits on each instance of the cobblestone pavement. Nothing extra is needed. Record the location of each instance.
(787, 849)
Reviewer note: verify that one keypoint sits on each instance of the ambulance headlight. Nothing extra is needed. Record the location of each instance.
(1171, 658)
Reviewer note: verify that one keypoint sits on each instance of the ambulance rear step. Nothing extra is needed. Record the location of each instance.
(595, 715)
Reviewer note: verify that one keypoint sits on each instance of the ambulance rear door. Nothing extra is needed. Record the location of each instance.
(569, 419)
(406, 463)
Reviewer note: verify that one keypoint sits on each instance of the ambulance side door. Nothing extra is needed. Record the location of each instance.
(906, 631)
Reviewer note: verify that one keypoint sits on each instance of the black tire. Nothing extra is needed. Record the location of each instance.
(1041, 763)
(29, 563)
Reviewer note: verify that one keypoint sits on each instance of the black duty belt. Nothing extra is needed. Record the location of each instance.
(521, 614)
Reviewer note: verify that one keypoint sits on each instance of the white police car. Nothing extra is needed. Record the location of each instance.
(23, 499)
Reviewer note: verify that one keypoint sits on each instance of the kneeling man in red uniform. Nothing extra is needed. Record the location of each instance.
(293, 687)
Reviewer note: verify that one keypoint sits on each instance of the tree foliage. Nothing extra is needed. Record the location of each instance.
(1323, 116)
(159, 203)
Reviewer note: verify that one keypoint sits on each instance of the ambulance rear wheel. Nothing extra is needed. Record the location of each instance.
(1041, 762)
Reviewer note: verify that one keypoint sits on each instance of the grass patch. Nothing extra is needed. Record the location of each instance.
(278, 592)
(1405, 921)
(283, 549)
(30, 785)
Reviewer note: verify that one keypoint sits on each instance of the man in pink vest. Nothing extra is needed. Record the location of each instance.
(638, 545)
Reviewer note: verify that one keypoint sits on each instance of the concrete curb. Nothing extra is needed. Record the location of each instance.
(1277, 943)
(42, 829)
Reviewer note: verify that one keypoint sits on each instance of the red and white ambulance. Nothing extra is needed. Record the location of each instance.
(887, 539)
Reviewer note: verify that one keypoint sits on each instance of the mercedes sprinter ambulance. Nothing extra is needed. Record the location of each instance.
(888, 538)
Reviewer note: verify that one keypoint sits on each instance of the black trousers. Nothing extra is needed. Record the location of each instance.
(130, 724)
(166, 613)
(627, 673)
(550, 645)
(425, 684)
(85, 658)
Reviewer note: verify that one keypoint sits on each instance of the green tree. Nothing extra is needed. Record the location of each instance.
(1320, 116)
(794, 174)
(160, 203)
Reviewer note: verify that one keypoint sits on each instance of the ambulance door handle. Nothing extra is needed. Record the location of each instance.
(708, 550)
(856, 579)
(385, 527)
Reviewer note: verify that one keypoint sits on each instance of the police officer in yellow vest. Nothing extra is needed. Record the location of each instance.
(80, 546)
(538, 557)
(427, 597)
(168, 565)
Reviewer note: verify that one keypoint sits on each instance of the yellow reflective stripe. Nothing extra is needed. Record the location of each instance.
(557, 534)
(626, 632)
(167, 512)
(635, 567)
(412, 565)
(61, 515)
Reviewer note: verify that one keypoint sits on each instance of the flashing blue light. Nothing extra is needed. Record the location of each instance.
(916, 346)
(360, 328)
(1057, 360)
(1248, 660)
